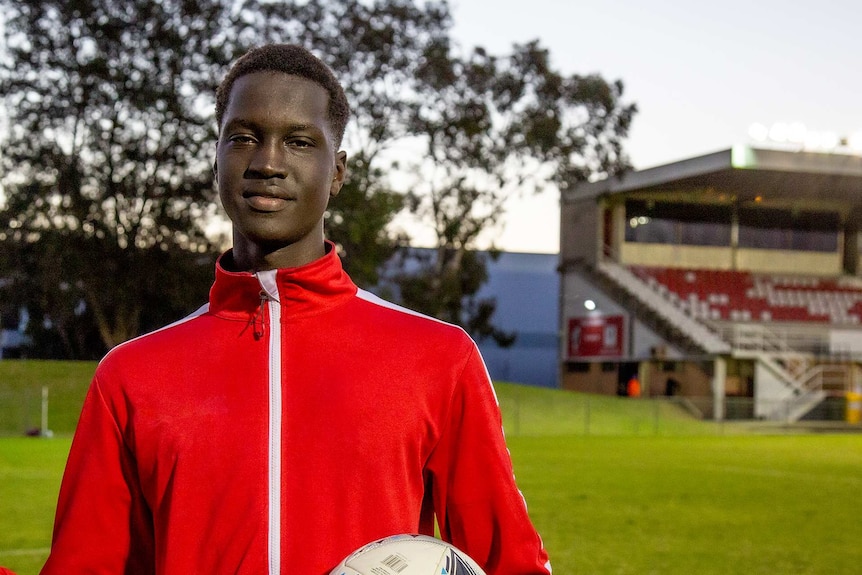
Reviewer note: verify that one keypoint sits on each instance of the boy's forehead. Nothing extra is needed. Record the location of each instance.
(276, 100)
(277, 84)
(275, 89)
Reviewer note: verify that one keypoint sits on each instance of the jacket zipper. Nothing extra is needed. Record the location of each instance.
(269, 288)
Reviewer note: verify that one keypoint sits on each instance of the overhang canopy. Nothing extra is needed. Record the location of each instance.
(743, 174)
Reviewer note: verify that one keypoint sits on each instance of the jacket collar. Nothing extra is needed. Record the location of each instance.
(306, 290)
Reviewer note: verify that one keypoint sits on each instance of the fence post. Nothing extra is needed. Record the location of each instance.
(45, 432)
(587, 416)
(718, 385)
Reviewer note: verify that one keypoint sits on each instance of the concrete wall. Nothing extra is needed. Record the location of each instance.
(640, 340)
(580, 231)
(725, 258)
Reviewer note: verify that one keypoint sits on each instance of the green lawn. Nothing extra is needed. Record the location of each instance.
(30, 473)
(21, 384)
(615, 486)
(707, 505)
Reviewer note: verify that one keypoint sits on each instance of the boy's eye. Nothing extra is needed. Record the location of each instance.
(241, 138)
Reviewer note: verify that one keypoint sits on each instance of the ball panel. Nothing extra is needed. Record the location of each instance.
(408, 554)
(459, 564)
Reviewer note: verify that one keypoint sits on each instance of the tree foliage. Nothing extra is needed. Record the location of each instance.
(375, 49)
(106, 164)
(492, 127)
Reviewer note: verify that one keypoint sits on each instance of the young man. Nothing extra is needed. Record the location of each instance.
(294, 418)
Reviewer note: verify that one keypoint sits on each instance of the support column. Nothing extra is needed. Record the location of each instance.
(719, 376)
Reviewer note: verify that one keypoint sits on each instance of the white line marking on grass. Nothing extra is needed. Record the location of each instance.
(19, 552)
(27, 474)
(785, 474)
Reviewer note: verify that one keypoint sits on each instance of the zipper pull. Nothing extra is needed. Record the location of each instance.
(258, 326)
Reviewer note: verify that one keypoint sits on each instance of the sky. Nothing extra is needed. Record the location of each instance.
(701, 74)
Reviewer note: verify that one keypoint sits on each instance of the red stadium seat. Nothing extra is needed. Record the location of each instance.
(742, 296)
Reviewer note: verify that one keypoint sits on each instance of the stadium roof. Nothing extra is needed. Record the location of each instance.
(742, 173)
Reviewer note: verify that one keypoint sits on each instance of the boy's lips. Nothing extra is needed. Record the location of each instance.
(266, 203)
(266, 200)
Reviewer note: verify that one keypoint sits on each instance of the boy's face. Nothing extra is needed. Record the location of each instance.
(277, 166)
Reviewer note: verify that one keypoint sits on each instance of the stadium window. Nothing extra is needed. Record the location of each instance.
(764, 228)
(817, 232)
(784, 229)
(679, 223)
(815, 241)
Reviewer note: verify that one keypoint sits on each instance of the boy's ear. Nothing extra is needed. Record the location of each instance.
(340, 172)
(215, 168)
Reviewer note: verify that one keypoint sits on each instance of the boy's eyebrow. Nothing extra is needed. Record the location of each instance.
(252, 125)
(303, 127)
(242, 123)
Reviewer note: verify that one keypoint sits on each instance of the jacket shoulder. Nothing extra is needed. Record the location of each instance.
(138, 345)
(400, 317)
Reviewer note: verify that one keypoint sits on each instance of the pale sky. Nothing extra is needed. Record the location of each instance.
(701, 73)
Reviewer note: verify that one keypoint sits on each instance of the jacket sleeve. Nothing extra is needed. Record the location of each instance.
(478, 506)
(102, 525)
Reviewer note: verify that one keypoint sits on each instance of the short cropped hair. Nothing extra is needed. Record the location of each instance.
(294, 60)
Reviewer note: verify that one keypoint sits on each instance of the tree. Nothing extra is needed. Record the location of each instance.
(375, 49)
(358, 220)
(107, 168)
(495, 126)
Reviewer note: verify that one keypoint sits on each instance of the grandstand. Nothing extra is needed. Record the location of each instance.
(733, 278)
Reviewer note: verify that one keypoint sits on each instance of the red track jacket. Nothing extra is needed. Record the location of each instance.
(288, 422)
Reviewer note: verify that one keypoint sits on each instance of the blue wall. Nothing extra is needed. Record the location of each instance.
(526, 287)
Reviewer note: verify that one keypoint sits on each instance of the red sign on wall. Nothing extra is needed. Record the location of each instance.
(597, 336)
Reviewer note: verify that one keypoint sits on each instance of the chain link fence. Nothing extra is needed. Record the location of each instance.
(20, 411)
(527, 413)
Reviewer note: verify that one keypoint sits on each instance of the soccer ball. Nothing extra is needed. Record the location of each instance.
(408, 555)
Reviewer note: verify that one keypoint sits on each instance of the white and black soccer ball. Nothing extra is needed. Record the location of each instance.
(408, 554)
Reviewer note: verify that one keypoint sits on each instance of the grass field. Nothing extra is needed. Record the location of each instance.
(21, 383)
(705, 505)
(614, 486)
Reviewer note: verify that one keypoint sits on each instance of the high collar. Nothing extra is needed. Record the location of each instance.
(305, 290)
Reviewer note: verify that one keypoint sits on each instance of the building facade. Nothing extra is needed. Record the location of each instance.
(731, 275)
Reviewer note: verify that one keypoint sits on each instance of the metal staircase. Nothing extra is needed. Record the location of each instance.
(677, 322)
(809, 386)
(808, 382)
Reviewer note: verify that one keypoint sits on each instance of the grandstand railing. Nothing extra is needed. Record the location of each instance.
(771, 338)
(696, 330)
(584, 414)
